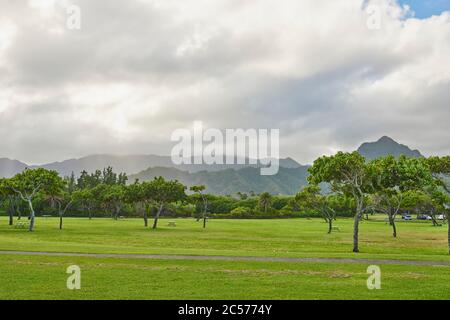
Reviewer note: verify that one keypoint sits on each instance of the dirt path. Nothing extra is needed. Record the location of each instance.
(231, 258)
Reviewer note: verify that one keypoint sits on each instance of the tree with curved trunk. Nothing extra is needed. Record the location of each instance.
(60, 198)
(200, 191)
(310, 197)
(347, 174)
(114, 197)
(162, 192)
(63, 203)
(86, 199)
(31, 182)
(134, 195)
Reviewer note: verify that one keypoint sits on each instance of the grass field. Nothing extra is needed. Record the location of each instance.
(44, 277)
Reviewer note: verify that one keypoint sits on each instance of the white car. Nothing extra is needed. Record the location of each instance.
(439, 217)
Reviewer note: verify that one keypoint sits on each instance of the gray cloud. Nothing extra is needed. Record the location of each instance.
(139, 69)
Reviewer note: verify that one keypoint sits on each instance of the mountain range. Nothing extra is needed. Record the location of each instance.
(220, 179)
(230, 181)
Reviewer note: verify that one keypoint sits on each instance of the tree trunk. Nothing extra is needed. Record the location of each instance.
(90, 213)
(433, 218)
(356, 226)
(32, 215)
(19, 212)
(11, 213)
(448, 237)
(145, 219)
(330, 225)
(11, 218)
(204, 220)
(355, 233)
(155, 223)
(392, 223)
(60, 221)
(394, 228)
(117, 212)
(205, 210)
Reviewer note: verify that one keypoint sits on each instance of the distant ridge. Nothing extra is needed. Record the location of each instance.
(133, 164)
(288, 181)
(9, 168)
(386, 146)
(129, 164)
(220, 179)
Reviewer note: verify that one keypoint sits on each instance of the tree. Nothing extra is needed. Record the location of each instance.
(163, 192)
(135, 195)
(60, 198)
(7, 195)
(29, 183)
(109, 177)
(265, 201)
(86, 198)
(242, 195)
(310, 197)
(71, 183)
(114, 197)
(200, 191)
(390, 178)
(440, 169)
(347, 173)
(11, 200)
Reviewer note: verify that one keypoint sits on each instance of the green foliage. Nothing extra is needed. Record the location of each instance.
(162, 192)
(346, 172)
(241, 212)
(106, 176)
(440, 168)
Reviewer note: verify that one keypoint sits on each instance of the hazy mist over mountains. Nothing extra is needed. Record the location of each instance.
(220, 179)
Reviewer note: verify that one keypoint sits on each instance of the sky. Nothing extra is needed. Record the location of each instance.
(427, 8)
(328, 74)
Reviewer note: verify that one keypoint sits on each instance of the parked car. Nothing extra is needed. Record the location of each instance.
(440, 217)
(407, 217)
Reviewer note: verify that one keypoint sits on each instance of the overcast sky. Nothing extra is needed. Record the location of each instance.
(139, 69)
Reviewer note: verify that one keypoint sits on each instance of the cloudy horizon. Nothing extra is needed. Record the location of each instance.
(138, 70)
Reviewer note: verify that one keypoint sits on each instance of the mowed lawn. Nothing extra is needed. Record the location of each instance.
(266, 238)
(31, 277)
(44, 277)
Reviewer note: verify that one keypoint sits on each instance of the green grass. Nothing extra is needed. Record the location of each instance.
(277, 238)
(24, 277)
(43, 277)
